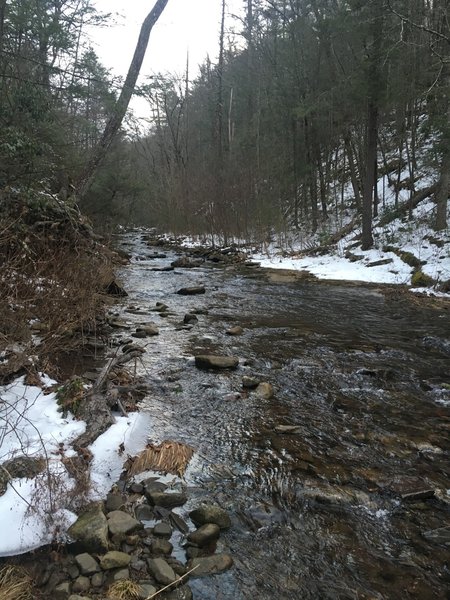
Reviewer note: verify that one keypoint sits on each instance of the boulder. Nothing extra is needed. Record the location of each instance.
(210, 361)
(204, 535)
(210, 565)
(208, 513)
(190, 319)
(114, 560)
(250, 382)
(114, 502)
(91, 530)
(191, 291)
(61, 591)
(120, 522)
(162, 571)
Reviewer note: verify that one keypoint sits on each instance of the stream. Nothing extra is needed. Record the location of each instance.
(322, 512)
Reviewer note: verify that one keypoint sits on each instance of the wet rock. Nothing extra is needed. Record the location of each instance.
(210, 361)
(114, 560)
(204, 535)
(153, 485)
(250, 382)
(190, 319)
(264, 390)
(208, 513)
(87, 564)
(191, 291)
(144, 512)
(235, 330)
(91, 530)
(162, 571)
(438, 536)
(167, 499)
(185, 263)
(136, 488)
(162, 530)
(163, 269)
(161, 547)
(179, 523)
(182, 593)
(210, 565)
(144, 331)
(120, 522)
(81, 584)
(287, 428)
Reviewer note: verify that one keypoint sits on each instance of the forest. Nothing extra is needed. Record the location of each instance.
(306, 106)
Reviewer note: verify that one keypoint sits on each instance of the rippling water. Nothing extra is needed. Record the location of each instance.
(316, 514)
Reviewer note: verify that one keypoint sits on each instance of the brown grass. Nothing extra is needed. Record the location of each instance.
(168, 457)
(124, 589)
(15, 584)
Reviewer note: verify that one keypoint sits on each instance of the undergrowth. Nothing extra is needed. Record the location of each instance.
(52, 277)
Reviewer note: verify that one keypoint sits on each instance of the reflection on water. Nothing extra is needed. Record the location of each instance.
(317, 513)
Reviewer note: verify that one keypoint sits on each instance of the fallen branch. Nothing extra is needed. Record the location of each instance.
(403, 208)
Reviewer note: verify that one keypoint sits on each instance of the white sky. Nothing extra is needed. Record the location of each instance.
(184, 25)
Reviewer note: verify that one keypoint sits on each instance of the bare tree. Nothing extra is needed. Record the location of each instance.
(121, 106)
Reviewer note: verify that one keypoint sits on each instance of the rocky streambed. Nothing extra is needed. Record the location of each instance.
(319, 415)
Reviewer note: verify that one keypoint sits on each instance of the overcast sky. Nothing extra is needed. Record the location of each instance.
(184, 25)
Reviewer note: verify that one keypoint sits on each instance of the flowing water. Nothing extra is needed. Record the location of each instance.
(362, 373)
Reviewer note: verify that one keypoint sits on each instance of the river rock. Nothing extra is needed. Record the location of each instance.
(61, 591)
(250, 382)
(210, 361)
(114, 501)
(120, 522)
(190, 319)
(87, 564)
(146, 331)
(81, 584)
(114, 560)
(147, 590)
(144, 512)
(162, 571)
(120, 574)
(162, 530)
(185, 263)
(97, 580)
(204, 535)
(91, 530)
(210, 565)
(191, 291)
(167, 499)
(161, 547)
(208, 513)
(235, 330)
(264, 390)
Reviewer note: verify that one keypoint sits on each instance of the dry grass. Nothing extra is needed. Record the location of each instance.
(15, 584)
(52, 276)
(168, 457)
(124, 589)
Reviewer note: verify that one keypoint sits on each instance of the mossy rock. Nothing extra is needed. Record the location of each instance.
(420, 279)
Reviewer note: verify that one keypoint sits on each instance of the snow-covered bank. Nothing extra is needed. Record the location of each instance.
(35, 511)
(381, 264)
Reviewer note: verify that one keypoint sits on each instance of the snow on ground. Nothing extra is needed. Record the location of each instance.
(33, 512)
(415, 237)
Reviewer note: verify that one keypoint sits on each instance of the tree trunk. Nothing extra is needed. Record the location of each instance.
(121, 106)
